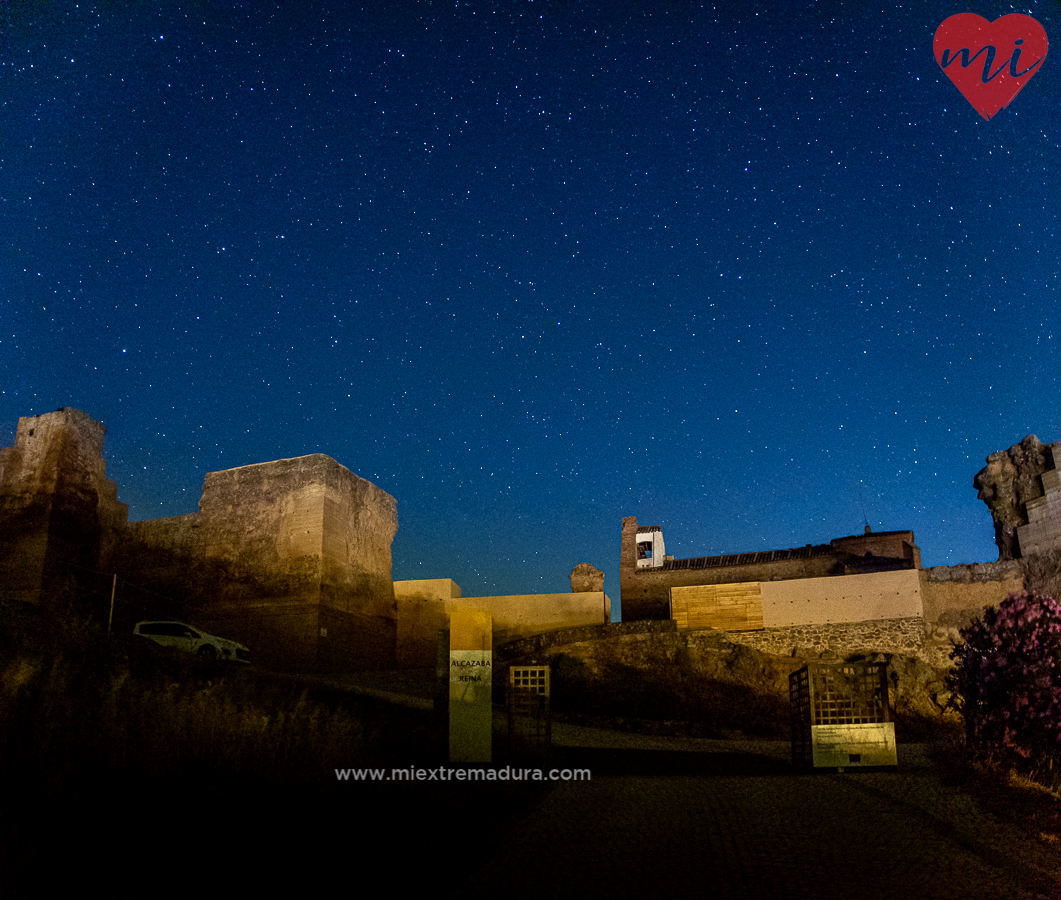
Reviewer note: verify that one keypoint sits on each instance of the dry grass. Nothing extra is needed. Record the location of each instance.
(1035, 806)
(1010, 795)
(78, 707)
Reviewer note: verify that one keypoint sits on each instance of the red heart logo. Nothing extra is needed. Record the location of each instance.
(989, 62)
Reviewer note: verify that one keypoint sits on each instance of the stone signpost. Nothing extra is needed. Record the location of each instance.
(470, 685)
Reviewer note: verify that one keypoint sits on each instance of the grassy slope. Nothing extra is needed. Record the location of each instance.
(140, 766)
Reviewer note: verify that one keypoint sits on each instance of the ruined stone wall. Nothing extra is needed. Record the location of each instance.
(60, 519)
(1042, 573)
(915, 613)
(629, 653)
(1042, 534)
(1007, 483)
(292, 558)
(586, 577)
(640, 643)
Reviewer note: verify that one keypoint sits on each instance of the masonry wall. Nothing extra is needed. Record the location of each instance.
(522, 615)
(918, 613)
(422, 612)
(904, 636)
(645, 591)
(290, 557)
(630, 652)
(60, 519)
(806, 601)
(955, 595)
(1043, 531)
(847, 598)
(424, 609)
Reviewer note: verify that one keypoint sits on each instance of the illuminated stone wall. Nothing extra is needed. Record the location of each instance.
(60, 519)
(292, 558)
(1043, 531)
(424, 608)
(422, 613)
(1009, 484)
(645, 591)
(955, 595)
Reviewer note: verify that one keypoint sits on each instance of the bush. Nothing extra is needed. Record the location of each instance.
(1008, 676)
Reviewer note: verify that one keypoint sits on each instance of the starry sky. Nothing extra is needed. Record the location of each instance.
(754, 272)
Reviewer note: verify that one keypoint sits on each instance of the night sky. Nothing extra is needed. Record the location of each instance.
(754, 272)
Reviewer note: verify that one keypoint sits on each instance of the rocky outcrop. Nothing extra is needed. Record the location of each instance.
(1009, 480)
(585, 578)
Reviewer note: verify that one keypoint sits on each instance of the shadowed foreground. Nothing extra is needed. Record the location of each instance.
(712, 818)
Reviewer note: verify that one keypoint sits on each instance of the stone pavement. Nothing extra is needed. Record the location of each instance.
(668, 817)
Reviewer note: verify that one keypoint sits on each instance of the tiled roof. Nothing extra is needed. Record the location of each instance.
(747, 559)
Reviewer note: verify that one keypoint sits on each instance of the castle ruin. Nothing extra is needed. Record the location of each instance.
(292, 557)
(1021, 487)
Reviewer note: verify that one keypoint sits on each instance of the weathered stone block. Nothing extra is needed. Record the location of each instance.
(1009, 481)
(586, 577)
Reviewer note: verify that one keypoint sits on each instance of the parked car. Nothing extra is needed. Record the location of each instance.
(192, 640)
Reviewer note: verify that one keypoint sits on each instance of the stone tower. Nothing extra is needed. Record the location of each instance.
(60, 518)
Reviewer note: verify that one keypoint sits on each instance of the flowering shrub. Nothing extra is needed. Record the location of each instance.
(1008, 675)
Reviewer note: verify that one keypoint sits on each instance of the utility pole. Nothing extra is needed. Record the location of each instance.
(114, 587)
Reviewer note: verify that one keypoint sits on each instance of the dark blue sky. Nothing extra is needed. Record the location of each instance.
(756, 273)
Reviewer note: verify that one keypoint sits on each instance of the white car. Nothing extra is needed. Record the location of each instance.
(192, 640)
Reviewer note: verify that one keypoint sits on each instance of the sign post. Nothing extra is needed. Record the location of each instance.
(470, 685)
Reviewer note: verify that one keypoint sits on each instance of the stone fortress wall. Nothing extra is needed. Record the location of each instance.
(838, 597)
(59, 513)
(290, 557)
(425, 606)
(645, 589)
(293, 558)
(1022, 492)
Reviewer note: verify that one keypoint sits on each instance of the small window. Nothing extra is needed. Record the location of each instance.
(644, 550)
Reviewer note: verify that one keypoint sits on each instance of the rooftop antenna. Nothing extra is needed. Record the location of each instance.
(861, 500)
